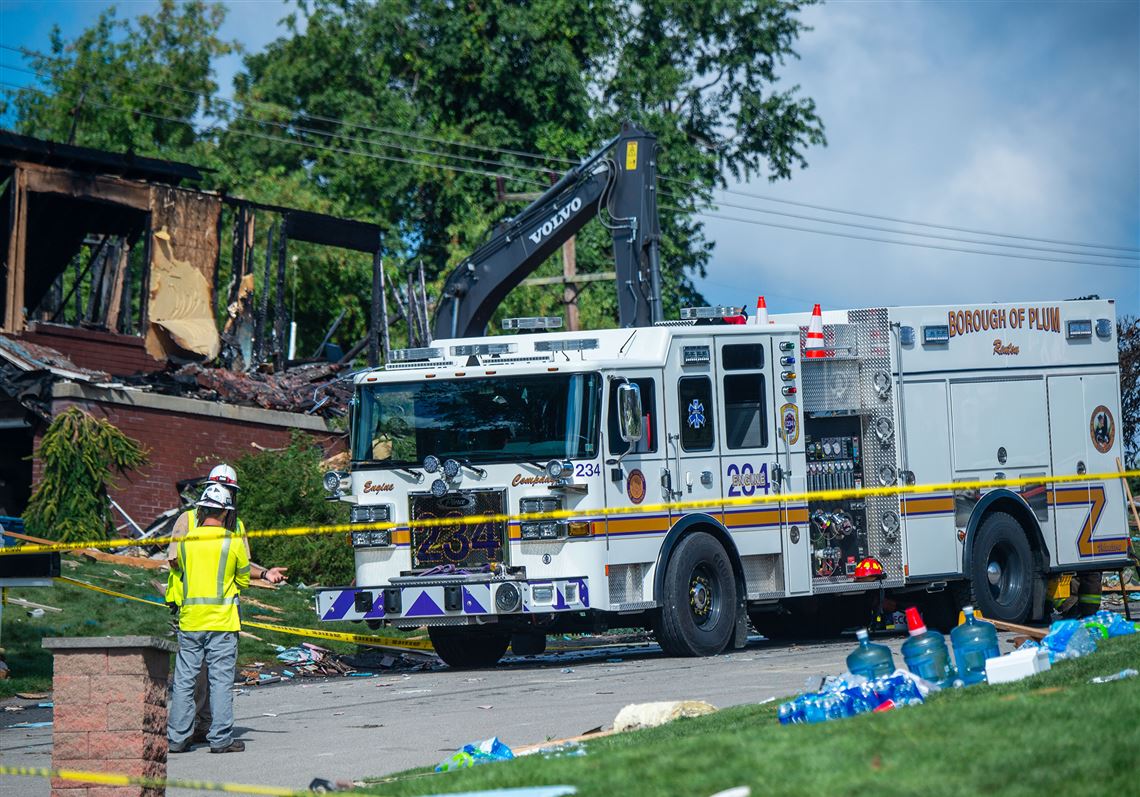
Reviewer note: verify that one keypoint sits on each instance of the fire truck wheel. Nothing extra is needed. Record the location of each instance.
(1001, 569)
(698, 599)
(468, 649)
(524, 644)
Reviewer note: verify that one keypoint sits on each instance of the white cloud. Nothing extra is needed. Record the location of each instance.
(972, 115)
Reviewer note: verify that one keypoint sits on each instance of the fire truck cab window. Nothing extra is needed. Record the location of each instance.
(500, 419)
(648, 442)
(742, 357)
(744, 414)
(695, 404)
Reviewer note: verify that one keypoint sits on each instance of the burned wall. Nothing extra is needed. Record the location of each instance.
(185, 438)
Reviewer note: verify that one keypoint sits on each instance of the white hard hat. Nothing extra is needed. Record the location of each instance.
(215, 496)
(223, 474)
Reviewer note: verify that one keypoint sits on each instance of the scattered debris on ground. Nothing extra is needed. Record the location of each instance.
(650, 715)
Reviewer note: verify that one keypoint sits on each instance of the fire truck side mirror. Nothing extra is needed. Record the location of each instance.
(630, 418)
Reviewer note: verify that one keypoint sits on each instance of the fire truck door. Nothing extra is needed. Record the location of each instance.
(634, 537)
(1088, 517)
(692, 463)
(751, 450)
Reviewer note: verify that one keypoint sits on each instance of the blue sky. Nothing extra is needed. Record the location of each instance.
(1021, 118)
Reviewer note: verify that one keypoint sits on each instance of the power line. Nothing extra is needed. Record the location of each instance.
(318, 118)
(554, 159)
(327, 134)
(1027, 247)
(828, 209)
(907, 243)
(294, 142)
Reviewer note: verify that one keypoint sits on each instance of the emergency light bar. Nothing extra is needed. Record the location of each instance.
(421, 353)
(720, 311)
(573, 344)
(537, 322)
(467, 350)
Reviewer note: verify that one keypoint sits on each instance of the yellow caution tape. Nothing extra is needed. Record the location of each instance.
(105, 591)
(340, 636)
(113, 779)
(397, 643)
(711, 503)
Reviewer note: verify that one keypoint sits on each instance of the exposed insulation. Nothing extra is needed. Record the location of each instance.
(180, 309)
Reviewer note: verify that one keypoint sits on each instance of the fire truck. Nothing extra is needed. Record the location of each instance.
(682, 476)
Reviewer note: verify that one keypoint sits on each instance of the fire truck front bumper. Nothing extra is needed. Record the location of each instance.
(452, 600)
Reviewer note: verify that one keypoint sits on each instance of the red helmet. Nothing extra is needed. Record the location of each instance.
(869, 568)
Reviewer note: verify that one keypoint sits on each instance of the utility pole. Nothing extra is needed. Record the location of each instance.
(570, 291)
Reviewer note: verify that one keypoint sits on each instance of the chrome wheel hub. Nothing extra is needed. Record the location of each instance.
(993, 573)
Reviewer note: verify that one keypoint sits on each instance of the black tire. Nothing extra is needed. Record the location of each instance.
(698, 607)
(528, 644)
(468, 648)
(1001, 569)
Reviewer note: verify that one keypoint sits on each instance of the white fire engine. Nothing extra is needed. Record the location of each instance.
(652, 436)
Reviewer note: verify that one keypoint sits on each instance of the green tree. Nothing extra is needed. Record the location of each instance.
(282, 489)
(1128, 342)
(129, 85)
(80, 455)
(367, 86)
(370, 110)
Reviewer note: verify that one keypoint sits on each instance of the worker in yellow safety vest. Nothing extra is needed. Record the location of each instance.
(225, 476)
(214, 568)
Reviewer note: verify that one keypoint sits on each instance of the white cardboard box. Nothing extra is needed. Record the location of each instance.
(1017, 665)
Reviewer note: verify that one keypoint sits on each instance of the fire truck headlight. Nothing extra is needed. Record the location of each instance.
(371, 539)
(450, 468)
(507, 598)
(439, 488)
(431, 463)
(371, 513)
(542, 594)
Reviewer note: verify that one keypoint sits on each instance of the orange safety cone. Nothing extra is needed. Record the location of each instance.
(761, 312)
(814, 344)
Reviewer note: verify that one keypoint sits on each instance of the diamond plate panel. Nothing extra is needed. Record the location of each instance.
(831, 386)
(874, 341)
(763, 574)
(626, 583)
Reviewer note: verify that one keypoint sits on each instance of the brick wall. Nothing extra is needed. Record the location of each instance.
(118, 355)
(110, 712)
(182, 446)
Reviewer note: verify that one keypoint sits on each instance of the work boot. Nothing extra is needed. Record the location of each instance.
(236, 746)
(181, 747)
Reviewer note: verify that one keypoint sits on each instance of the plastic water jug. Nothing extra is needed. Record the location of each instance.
(925, 652)
(869, 659)
(974, 641)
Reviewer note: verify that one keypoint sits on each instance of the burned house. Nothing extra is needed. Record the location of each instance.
(111, 299)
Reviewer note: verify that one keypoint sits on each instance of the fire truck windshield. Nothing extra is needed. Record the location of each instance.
(499, 419)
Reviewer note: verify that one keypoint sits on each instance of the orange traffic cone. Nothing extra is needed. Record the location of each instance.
(814, 345)
(761, 312)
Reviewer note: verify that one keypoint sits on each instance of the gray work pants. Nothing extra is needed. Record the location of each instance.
(218, 649)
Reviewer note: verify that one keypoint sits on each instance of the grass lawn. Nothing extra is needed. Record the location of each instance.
(1054, 733)
(88, 613)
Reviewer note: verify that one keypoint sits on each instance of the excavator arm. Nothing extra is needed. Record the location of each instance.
(620, 179)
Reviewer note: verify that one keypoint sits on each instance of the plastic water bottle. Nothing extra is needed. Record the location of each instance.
(974, 641)
(869, 659)
(925, 652)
